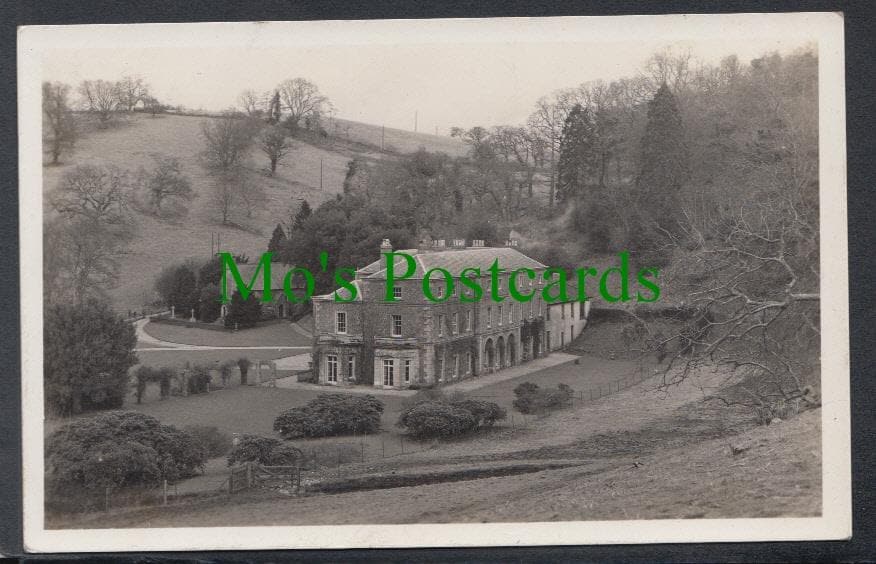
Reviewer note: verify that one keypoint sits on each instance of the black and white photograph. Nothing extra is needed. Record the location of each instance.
(424, 283)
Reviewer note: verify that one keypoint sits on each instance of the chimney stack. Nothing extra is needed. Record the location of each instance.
(385, 247)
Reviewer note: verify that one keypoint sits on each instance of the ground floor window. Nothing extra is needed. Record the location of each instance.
(469, 363)
(455, 374)
(549, 339)
(351, 367)
(407, 373)
(388, 372)
(332, 368)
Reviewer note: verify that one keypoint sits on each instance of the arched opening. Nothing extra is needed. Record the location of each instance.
(489, 355)
(512, 350)
(500, 346)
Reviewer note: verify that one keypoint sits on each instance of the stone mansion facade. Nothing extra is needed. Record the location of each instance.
(417, 342)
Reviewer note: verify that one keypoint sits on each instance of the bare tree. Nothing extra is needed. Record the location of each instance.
(59, 124)
(101, 98)
(301, 98)
(274, 142)
(153, 105)
(232, 191)
(227, 141)
(252, 103)
(132, 90)
(164, 184)
(81, 259)
(91, 232)
(95, 193)
(671, 68)
(547, 123)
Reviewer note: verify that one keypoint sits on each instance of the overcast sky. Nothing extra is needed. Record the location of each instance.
(477, 75)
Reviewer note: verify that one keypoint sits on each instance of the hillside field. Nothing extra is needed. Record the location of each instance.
(397, 140)
(130, 144)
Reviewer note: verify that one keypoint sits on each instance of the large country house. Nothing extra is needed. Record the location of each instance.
(417, 342)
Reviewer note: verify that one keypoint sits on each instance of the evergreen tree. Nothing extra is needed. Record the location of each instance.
(177, 286)
(300, 217)
(243, 312)
(664, 166)
(88, 351)
(276, 242)
(578, 155)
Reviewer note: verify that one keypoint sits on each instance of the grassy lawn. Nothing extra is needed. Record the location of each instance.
(274, 334)
(245, 409)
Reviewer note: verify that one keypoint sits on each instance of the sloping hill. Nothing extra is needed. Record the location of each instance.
(397, 140)
(314, 173)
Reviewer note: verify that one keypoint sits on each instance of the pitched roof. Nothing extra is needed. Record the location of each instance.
(455, 261)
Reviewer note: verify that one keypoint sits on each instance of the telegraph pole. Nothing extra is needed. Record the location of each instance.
(382, 137)
(415, 121)
(320, 173)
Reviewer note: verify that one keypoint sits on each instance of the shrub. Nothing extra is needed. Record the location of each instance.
(143, 376)
(215, 442)
(485, 412)
(199, 379)
(243, 363)
(243, 313)
(263, 450)
(437, 419)
(331, 415)
(226, 369)
(119, 449)
(530, 398)
(165, 376)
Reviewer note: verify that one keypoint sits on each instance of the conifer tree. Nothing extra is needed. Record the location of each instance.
(276, 243)
(664, 165)
(577, 162)
(300, 217)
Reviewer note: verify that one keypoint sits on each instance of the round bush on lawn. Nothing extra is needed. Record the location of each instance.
(434, 419)
(330, 415)
(485, 412)
(119, 449)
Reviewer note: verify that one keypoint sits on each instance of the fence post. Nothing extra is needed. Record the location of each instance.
(106, 499)
(362, 445)
(165, 492)
(249, 474)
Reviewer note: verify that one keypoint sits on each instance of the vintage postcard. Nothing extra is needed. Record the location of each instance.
(425, 283)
